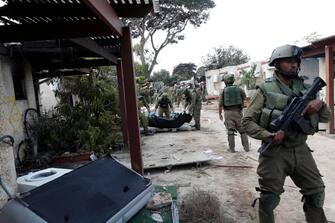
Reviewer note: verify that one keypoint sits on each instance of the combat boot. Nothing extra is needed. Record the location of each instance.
(313, 208)
(267, 203)
(231, 142)
(245, 142)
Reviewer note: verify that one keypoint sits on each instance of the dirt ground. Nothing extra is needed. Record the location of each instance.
(235, 186)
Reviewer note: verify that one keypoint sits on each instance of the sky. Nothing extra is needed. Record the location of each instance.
(255, 26)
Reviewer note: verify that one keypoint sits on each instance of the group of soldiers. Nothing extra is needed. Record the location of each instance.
(287, 154)
(190, 95)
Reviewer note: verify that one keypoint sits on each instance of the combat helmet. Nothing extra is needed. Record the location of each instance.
(229, 78)
(286, 51)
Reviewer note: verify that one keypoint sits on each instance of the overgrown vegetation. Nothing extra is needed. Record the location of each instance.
(86, 118)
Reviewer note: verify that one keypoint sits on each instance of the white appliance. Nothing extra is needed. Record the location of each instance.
(35, 179)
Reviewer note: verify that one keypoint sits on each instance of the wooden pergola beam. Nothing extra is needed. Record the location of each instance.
(44, 65)
(329, 60)
(317, 50)
(106, 13)
(59, 30)
(96, 48)
(123, 108)
(62, 73)
(131, 102)
(314, 52)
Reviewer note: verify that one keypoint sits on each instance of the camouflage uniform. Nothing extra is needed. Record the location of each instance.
(196, 107)
(188, 101)
(142, 116)
(179, 95)
(231, 101)
(164, 105)
(292, 157)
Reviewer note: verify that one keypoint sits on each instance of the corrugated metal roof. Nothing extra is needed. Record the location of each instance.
(45, 27)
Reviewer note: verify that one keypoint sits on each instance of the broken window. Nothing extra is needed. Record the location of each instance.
(19, 81)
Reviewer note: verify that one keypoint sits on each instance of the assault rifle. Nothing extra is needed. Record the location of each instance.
(292, 113)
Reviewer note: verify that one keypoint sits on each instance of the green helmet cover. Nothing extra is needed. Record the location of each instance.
(286, 51)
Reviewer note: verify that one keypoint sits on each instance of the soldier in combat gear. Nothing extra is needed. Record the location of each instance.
(288, 155)
(231, 102)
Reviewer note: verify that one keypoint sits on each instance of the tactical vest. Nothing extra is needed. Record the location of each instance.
(277, 98)
(232, 96)
(164, 102)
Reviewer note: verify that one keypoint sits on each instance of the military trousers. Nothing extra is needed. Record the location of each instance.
(164, 111)
(196, 115)
(144, 122)
(298, 163)
(233, 124)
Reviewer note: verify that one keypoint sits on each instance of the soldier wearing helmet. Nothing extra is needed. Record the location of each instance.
(289, 154)
(164, 106)
(231, 102)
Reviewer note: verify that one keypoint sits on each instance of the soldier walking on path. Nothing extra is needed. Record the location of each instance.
(231, 102)
(288, 155)
(187, 98)
(196, 106)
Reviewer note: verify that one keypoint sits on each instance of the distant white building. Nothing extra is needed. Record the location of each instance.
(214, 84)
(214, 81)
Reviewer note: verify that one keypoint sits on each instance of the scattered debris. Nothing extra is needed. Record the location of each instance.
(176, 158)
(159, 200)
(184, 184)
(157, 217)
(232, 166)
(208, 151)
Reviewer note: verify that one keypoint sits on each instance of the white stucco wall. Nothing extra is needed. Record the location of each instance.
(309, 68)
(322, 72)
(12, 110)
(213, 82)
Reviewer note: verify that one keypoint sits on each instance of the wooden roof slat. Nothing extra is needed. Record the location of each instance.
(50, 10)
(53, 8)
(29, 32)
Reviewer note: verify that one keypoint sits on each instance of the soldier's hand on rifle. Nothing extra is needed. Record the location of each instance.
(312, 107)
(278, 137)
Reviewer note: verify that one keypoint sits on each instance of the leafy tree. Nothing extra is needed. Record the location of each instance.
(169, 25)
(162, 75)
(140, 70)
(248, 78)
(222, 57)
(184, 71)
